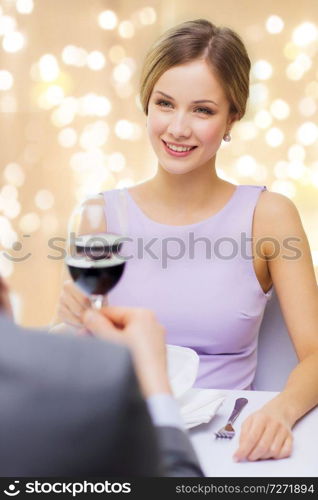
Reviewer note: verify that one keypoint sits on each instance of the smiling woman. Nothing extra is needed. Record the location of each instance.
(194, 88)
(178, 127)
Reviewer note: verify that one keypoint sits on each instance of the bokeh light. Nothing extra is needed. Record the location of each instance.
(296, 153)
(307, 133)
(304, 34)
(280, 109)
(285, 187)
(274, 24)
(96, 60)
(116, 54)
(6, 266)
(94, 135)
(274, 137)
(44, 199)
(24, 6)
(246, 166)
(94, 105)
(126, 29)
(65, 113)
(7, 25)
(14, 174)
(48, 68)
(122, 72)
(307, 106)
(147, 15)
(67, 137)
(116, 162)
(6, 80)
(13, 42)
(107, 20)
(263, 119)
(30, 222)
(74, 56)
(8, 104)
(51, 97)
(262, 70)
(124, 129)
(246, 131)
(258, 94)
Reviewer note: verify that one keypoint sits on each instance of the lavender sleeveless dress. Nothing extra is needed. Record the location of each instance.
(199, 280)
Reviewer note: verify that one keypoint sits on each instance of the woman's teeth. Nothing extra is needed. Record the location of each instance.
(178, 148)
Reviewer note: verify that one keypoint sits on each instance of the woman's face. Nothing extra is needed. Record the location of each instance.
(175, 119)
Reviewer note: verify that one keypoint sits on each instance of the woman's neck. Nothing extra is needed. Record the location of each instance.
(193, 190)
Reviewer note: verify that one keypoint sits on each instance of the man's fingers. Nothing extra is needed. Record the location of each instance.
(122, 315)
(100, 326)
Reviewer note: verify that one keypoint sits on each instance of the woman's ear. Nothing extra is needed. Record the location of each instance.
(233, 117)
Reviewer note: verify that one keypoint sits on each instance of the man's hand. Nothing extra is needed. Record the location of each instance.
(5, 305)
(139, 330)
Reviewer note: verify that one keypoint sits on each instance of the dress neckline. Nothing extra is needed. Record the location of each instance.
(183, 226)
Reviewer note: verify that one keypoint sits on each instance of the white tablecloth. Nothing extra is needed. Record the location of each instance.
(215, 455)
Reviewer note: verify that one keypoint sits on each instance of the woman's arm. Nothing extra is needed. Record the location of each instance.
(267, 433)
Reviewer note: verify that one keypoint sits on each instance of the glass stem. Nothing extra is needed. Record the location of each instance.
(97, 301)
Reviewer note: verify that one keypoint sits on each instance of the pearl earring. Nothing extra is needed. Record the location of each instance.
(227, 138)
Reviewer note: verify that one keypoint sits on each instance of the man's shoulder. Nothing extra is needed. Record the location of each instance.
(65, 359)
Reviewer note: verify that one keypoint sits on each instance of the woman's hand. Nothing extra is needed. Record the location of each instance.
(265, 434)
(72, 305)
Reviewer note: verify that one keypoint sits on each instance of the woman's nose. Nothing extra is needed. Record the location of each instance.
(179, 126)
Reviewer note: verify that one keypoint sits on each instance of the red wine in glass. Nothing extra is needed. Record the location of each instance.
(96, 277)
(98, 246)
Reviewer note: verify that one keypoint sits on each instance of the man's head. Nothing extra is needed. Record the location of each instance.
(5, 305)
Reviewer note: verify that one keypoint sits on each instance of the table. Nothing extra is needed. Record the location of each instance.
(215, 455)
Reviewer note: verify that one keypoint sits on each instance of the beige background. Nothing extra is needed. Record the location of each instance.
(40, 111)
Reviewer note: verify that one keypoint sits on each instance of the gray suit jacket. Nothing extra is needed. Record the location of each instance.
(71, 406)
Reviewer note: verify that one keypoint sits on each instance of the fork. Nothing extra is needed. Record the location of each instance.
(227, 431)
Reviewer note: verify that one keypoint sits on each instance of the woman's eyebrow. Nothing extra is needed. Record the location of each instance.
(194, 102)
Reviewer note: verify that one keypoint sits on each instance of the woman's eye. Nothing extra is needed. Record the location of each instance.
(160, 103)
(166, 104)
(205, 111)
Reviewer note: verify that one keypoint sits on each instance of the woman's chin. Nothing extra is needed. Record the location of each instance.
(177, 169)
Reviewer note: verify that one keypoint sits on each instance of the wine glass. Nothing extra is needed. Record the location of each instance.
(93, 255)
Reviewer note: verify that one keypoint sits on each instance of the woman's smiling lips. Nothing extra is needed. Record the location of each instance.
(178, 153)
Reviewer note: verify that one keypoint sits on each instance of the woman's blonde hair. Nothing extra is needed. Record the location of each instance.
(220, 47)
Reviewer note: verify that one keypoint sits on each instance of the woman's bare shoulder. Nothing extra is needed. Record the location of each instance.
(96, 199)
(273, 210)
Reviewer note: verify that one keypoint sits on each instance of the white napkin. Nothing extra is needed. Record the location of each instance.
(197, 406)
(183, 366)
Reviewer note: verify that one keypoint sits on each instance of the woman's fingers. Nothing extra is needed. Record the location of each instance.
(251, 432)
(66, 316)
(262, 448)
(287, 447)
(72, 304)
(263, 437)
